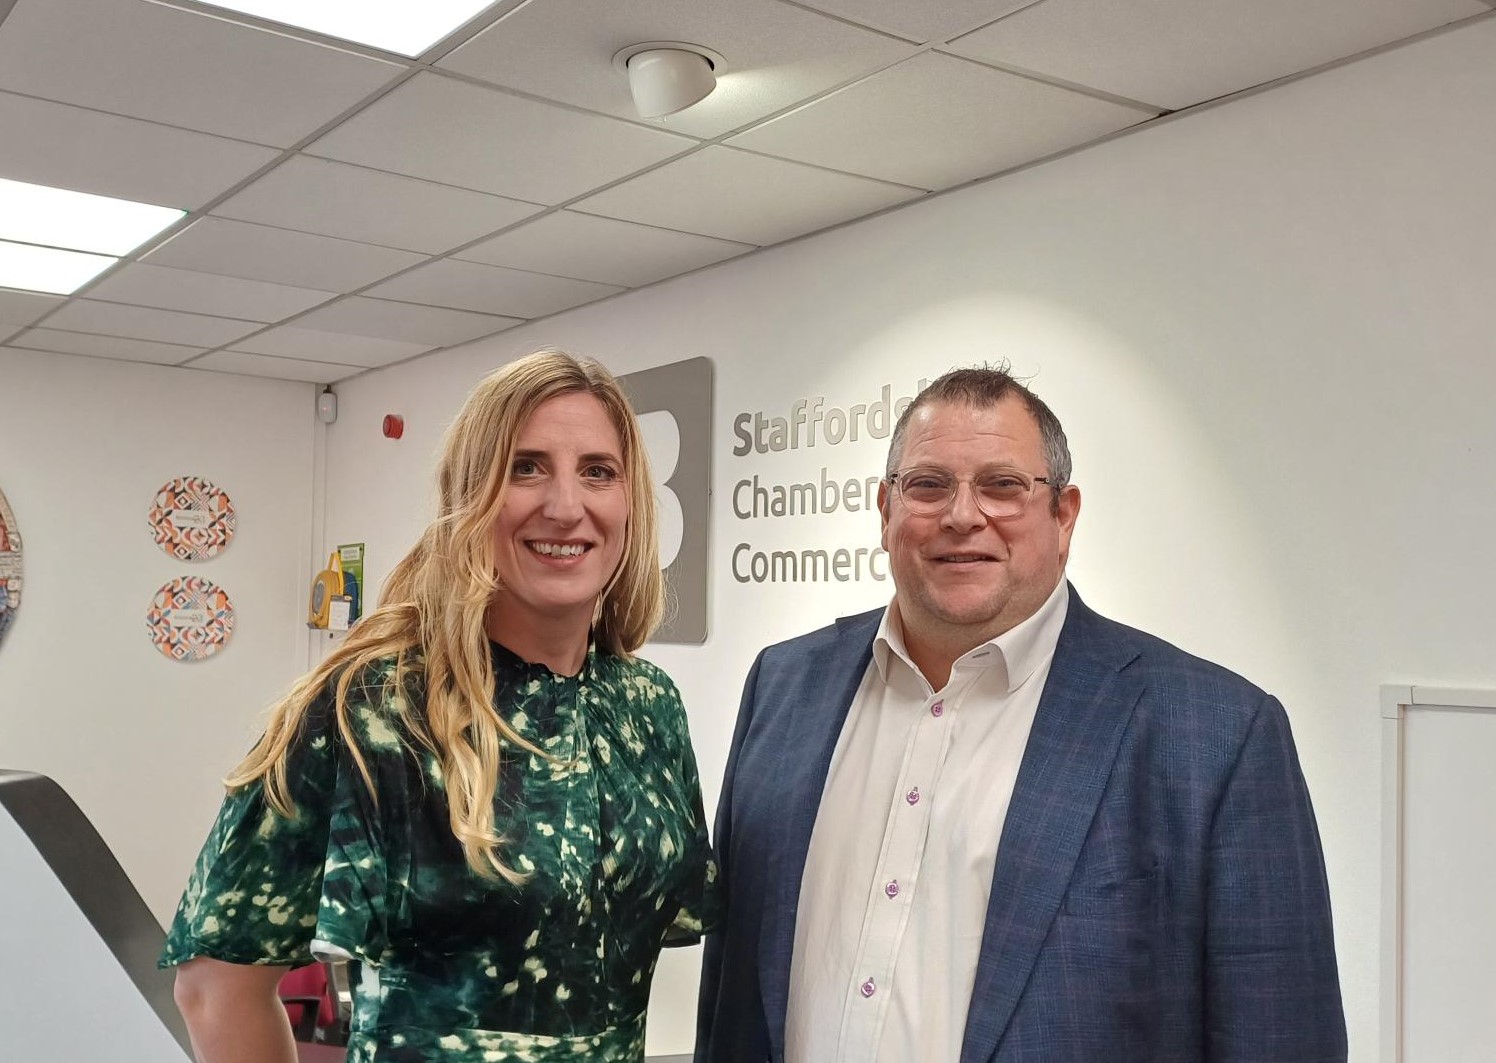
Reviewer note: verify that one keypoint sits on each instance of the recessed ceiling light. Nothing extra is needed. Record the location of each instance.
(404, 28)
(668, 76)
(46, 269)
(56, 217)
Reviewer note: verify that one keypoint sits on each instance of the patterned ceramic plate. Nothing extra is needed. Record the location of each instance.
(191, 519)
(190, 618)
(10, 567)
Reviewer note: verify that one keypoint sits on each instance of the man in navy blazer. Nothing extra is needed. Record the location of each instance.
(987, 824)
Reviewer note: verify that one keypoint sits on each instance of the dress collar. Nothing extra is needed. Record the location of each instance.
(508, 663)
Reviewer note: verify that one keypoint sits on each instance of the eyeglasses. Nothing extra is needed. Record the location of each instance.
(999, 493)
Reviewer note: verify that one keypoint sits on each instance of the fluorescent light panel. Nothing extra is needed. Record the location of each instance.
(46, 269)
(406, 28)
(38, 214)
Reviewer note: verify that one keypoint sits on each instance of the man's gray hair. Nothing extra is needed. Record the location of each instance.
(983, 387)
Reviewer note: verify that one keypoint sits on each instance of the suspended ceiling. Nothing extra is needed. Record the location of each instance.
(349, 208)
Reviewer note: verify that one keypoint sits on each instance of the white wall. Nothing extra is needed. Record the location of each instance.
(139, 741)
(1265, 325)
(1267, 328)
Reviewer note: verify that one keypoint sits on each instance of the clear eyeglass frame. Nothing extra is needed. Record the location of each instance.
(999, 493)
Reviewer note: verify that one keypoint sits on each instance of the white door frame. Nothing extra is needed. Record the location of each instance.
(1395, 702)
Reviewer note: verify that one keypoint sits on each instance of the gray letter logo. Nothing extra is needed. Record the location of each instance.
(674, 404)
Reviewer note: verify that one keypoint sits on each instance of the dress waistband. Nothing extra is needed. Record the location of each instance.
(623, 1043)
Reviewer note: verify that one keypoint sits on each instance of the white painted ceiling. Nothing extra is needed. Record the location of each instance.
(350, 208)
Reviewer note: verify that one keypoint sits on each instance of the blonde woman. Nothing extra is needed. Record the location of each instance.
(482, 795)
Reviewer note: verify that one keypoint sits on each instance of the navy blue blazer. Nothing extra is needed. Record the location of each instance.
(1159, 894)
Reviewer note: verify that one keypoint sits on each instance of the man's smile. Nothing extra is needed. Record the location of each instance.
(963, 558)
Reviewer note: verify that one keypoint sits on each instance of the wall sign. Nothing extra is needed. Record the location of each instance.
(10, 567)
(190, 618)
(191, 519)
(680, 394)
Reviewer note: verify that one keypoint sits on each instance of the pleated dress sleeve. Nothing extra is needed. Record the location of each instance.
(283, 891)
(698, 897)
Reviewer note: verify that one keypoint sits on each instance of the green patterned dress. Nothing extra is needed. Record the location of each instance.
(611, 833)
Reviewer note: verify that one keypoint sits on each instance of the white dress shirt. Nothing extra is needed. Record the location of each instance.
(894, 895)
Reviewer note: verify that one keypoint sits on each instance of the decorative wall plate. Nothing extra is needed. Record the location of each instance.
(10, 566)
(190, 618)
(191, 519)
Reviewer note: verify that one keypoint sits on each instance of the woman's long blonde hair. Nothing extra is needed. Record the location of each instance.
(431, 615)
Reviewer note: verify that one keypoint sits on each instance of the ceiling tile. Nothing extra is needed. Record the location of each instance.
(278, 368)
(601, 249)
(22, 308)
(355, 203)
(205, 293)
(66, 147)
(410, 322)
(736, 195)
(920, 21)
(289, 341)
(280, 256)
(1174, 53)
(145, 323)
(182, 68)
(936, 121)
(46, 339)
(775, 54)
(491, 289)
(461, 134)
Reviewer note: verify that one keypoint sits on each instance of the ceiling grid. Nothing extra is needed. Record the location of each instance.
(348, 208)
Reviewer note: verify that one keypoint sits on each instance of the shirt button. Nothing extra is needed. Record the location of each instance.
(912, 796)
(891, 890)
(937, 709)
(868, 988)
